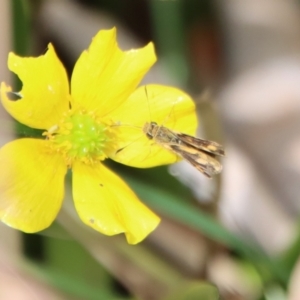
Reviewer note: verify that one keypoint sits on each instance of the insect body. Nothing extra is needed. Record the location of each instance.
(198, 152)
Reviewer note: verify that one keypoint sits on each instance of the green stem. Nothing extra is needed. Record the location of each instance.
(169, 37)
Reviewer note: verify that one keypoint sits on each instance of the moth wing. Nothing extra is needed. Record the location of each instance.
(202, 161)
(200, 144)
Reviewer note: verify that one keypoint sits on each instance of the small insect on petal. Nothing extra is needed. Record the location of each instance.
(198, 152)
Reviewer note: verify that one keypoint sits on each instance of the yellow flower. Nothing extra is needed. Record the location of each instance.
(102, 116)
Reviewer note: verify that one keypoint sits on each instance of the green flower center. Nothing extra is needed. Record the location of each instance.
(80, 137)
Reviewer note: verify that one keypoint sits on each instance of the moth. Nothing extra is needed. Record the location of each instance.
(198, 152)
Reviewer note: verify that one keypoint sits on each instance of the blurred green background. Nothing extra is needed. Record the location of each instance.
(232, 237)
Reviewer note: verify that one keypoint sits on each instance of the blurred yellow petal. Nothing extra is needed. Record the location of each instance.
(45, 92)
(31, 185)
(104, 76)
(168, 107)
(104, 202)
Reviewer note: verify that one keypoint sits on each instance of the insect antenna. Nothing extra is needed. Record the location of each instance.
(149, 110)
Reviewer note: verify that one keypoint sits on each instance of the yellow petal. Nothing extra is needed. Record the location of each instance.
(45, 92)
(31, 185)
(104, 202)
(168, 107)
(104, 76)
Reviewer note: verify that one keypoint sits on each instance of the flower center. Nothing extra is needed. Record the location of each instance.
(79, 136)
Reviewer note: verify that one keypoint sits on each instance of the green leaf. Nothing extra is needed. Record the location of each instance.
(165, 194)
